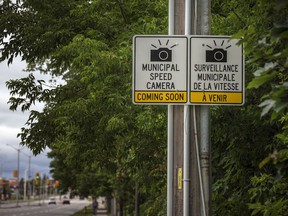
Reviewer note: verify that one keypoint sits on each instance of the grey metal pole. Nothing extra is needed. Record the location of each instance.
(17, 178)
(1, 168)
(18, 166)
(29, 180)
(170, 129)
(25, 184)
(205, 145)
(205, 154)
(170, 162)
(186, 161)
(39, 190)
(186, 153)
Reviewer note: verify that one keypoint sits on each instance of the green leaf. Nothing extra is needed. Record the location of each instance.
(258, 81)
(265, 69)
(264, 162)
(267, 106)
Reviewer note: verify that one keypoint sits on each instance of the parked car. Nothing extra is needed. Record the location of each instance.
(66, 200)
(52, 201)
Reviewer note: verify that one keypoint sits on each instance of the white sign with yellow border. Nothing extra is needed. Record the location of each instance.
(160, 69)
(195, 70)
(216, 71)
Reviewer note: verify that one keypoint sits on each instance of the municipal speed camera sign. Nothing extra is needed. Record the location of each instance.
(216, 70)
(196, 70)
(160, 69)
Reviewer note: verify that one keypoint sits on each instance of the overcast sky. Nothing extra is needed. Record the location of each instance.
(10, 125)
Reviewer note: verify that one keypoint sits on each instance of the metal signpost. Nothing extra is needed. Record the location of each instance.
(188, 70)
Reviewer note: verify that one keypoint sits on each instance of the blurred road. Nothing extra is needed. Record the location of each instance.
(42, 208)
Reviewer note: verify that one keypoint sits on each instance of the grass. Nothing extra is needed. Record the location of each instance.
(88, 211)
(85, 211)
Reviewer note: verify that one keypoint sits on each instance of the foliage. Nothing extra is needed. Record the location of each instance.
(270, 54)
(101, 144)
(88, 122)
(238, 157)
(83, 212)
(269, 51)
(268, 195)
(238, 148)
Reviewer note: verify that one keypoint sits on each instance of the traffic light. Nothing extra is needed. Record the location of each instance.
(15, 173)
(37, 178)
(57, 183)
(48, 182)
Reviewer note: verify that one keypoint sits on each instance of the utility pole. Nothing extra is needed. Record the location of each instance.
(27, 183)
(18, 169)
(203, 28)
(29, 180)
(200, 203)
(175, 125)
(195, 200)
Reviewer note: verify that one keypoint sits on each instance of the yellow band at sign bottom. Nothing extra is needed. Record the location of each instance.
(160, 97)
(216, 97)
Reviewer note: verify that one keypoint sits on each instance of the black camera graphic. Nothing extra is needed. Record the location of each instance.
(216, 55)
(161, 54)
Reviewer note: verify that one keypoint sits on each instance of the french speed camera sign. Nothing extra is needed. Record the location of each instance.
(160, 69)
(216, 71)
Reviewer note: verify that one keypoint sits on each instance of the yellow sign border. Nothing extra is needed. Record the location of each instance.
(160, 97)
(216, 97)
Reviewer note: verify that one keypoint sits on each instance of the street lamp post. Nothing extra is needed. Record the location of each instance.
(1, 168)
(29, 177)
(25, 185)
(17, 178)
(29, 180)
(18, 167)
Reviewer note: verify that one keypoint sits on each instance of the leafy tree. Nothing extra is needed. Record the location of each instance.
(88, 43)
(266, 54)
(269, 54)
(97, 137)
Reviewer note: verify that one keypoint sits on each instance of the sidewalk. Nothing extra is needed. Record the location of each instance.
(13, 203)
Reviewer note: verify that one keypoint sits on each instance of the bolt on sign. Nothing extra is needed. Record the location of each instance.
(216, 71)
(160, 69)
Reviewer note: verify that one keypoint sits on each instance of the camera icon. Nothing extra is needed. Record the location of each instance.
(161, 54)
(216, 55)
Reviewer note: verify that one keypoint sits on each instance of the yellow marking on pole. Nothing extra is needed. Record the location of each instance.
(180, 184)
